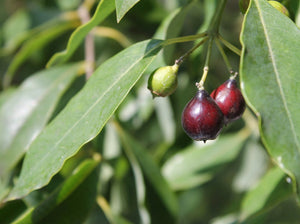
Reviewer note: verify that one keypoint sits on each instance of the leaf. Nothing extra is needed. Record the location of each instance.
(104, 8)
(32, 45)
(84, 117)
(195, 165)
(151, 171)
(9, 211)
(15, 26)
(60, 195)
(25, 113)
(272, 189)
(123, 6)
(270, 82)
(140, 187)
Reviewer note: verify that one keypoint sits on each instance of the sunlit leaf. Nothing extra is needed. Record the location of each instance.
(85, 115)
(105, 7)
(270, 82)
(25, 113)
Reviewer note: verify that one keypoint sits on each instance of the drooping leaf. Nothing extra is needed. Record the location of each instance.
(152, 172)
(272, 189)
(60, 195)
(32, 45)
(85, 115)
(140, 187)
(104, 8)
(27, 110)
(123, 6)
(195, 165)
(270, 82)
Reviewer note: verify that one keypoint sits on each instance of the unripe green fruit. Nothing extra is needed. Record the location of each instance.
(163, 81)
(280, 7)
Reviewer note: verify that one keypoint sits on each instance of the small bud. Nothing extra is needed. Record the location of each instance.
(163, 81)
(281, 8)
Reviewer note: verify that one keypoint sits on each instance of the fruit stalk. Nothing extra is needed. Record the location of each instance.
(215, 23)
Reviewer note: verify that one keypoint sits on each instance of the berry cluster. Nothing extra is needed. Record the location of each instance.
(205, 115)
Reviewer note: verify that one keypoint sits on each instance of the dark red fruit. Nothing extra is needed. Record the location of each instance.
(202, 119)
(230, 100)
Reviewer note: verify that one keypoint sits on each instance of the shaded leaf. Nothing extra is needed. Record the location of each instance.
(270, 82)
(152, 172)
(272, 189)
(123, 6)
(195, 165)
(77, 180)
(85, 115)
(140, 188)
(32, 45)
(104, 8)
(25, 113)
(11, 210)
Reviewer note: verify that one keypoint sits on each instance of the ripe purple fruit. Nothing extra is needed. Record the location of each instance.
(202, 119)
(230, 100)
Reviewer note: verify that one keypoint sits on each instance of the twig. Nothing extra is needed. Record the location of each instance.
(88, 44)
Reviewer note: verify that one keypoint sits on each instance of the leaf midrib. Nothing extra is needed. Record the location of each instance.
(277, 75)
(93, 105)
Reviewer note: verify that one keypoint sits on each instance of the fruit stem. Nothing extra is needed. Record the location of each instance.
(225, 58)
(184, 39)
(180, 60)
(216, 20)
(230, 46)
(200, 85)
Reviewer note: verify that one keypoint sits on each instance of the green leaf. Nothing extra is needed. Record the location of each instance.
(272, 189)
(270, 82)
(9, 211)
(32, 45)
(27, 110)
(60, 195)
(16, 26)
(123, 6)
(85, 115)
(105, 7)
(195, 165)
(151, 171)
(140, 188)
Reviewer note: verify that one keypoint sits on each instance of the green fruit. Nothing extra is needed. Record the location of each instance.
(163, 81)
(244, 5)
(280, 7)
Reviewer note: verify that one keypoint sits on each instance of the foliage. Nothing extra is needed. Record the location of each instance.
(83, 141)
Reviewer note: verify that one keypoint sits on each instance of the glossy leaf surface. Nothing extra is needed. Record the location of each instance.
(85, 115)
(270, 82)
(105, 7)
(27, 110)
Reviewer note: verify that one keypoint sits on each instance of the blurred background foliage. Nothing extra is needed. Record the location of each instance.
(149, 169)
